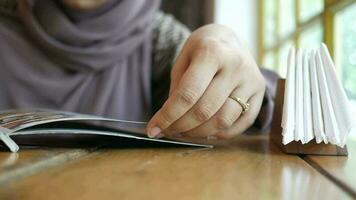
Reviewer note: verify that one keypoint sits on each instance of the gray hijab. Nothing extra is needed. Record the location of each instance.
(89, 64)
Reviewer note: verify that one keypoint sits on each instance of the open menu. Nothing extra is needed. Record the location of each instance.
(42, 121)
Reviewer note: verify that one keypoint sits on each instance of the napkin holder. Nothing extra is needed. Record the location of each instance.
(311, 148)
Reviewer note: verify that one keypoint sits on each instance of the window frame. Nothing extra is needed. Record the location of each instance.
(326, 17)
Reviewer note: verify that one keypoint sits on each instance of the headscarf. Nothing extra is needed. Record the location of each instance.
(95, 64)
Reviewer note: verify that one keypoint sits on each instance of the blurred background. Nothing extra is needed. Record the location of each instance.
(271, 27)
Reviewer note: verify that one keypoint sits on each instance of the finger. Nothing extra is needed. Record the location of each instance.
(190, 88)
(225, 117)
(209, 104)
(246, 120)
(178, 69)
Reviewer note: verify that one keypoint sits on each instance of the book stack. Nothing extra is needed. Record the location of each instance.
(315, 104)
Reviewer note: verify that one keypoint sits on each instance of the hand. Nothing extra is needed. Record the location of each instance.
(212, 66)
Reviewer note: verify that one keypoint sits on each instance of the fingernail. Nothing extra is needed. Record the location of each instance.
(154, 132)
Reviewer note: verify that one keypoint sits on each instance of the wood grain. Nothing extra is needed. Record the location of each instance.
(246, 168)
(49, 152)
(339, 169)
(14, 166)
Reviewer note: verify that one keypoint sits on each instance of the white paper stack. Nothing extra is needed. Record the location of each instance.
(315, 103)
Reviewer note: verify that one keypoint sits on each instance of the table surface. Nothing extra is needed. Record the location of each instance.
(248, 167)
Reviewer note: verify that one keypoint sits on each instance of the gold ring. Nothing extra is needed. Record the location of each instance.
(245, 106)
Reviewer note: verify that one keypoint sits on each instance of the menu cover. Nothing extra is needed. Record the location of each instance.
(43, 121)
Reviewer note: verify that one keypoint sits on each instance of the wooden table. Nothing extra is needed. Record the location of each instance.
(249, 167)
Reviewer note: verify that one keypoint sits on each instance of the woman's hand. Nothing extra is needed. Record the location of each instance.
(212, 66)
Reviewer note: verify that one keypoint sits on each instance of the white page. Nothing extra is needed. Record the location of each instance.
(288, 115)
(330, 124)
(338, 96)
(7, 140)
(299, 131)
(308, 129)
(318, 126)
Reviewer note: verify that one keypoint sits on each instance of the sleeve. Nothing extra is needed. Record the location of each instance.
(264, 118)
(169, 36)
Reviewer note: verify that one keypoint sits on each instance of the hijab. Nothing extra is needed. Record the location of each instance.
(93, 62)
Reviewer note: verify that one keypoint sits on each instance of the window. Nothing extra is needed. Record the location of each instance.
(306, 23)
(345, 49)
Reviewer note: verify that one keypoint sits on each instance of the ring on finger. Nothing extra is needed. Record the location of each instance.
(245, 105)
